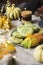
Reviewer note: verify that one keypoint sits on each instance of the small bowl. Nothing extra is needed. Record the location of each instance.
(41, 16)
(26, 14)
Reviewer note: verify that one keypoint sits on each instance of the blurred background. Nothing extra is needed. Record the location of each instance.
(28, 4)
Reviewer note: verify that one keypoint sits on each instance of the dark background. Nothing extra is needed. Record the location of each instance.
(18, 1)
(29, 4)
(14, 1)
